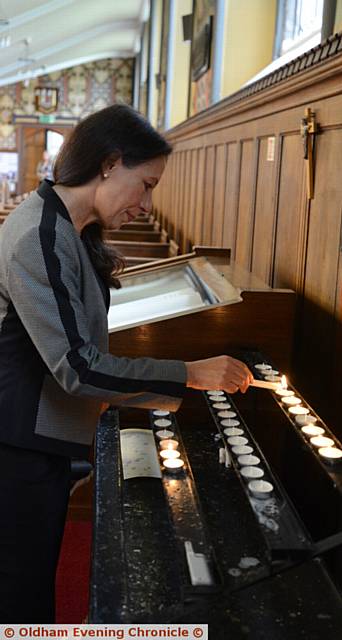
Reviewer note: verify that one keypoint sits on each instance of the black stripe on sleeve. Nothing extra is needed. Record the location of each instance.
(47, 234)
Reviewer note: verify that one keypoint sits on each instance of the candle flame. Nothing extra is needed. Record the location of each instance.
(283, 383)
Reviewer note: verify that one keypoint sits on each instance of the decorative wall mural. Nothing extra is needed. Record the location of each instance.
(81, 91)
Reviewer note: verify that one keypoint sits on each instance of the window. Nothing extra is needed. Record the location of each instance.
(9, 168)
(54, 140)
(299, 21)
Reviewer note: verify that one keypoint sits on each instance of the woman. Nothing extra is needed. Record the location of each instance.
(55, 369)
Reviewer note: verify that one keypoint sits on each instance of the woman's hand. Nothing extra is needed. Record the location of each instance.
(222, 372)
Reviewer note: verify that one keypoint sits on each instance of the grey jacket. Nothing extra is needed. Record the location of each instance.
(55, 369)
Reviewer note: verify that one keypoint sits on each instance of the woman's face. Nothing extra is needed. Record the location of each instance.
(125, 193)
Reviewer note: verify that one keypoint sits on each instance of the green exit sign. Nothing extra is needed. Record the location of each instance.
(46, 119)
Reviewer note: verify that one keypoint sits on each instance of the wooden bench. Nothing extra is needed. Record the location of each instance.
(135, 236)
(141, 249)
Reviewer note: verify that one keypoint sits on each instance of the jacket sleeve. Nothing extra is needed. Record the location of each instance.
(44, 280)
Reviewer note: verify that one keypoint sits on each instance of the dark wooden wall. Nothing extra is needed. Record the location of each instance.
(220, 189)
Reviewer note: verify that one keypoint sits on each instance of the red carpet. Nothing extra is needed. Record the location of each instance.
(72, 584)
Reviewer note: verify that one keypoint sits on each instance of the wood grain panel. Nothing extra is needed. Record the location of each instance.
(199, 203)
(186, 200)
(245, 222)
(210, 170)
(219, 195)
(231, 197)
(264, 219)
(289, 244)
(190, 219)
(325, 222)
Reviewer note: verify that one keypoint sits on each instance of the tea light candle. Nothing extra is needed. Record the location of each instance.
(242, 450)
(235, 440)
(291, 400)
(263, 367)
(221, 405)
(312, 430)
(168, 444)
(169, 454)
(216, 398)
(233, 431)
(322, 441)
(298, 410)
(270, 372)
(161, 413)
(280, 391)
(164, 434)
(251, 472)
(248, 461)
(163, 422)
(215, 393)
(230, 422)
(330, 454)
(306, 419)
(226, 414)
(260, 488)
(174, 465)
(273, 378)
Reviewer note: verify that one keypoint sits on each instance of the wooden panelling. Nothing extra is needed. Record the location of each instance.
(199, 203)
(227, 193)
(219, 195)
(209, 180)
(245, 219)
(325, 222)
(291, 211)
(229, 222)
(264, 217)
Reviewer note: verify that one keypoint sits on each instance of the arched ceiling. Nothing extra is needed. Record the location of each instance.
(52, 35)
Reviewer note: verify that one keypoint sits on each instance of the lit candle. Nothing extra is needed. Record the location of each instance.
(312, 430)
(242, 450)
(263, 367)
(322, 441)
(233, 431)
(163, 422)
(270, 372)
(260, 488)
(215, 393)
(298, 410)
(230, 422)
(168, 444)
(306, 419)
(248, 461)
(330, 454)
(174, 465)
(161, 413)
(251, 472)
(273, 378)
(236, 440)
(164, 434)
(291, 400)
(169, 454)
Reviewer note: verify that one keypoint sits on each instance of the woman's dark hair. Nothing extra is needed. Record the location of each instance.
(115, 132)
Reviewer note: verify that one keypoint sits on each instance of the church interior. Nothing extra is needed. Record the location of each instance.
(228, 511)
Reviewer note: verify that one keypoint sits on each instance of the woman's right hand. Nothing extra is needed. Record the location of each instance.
(219, 373)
